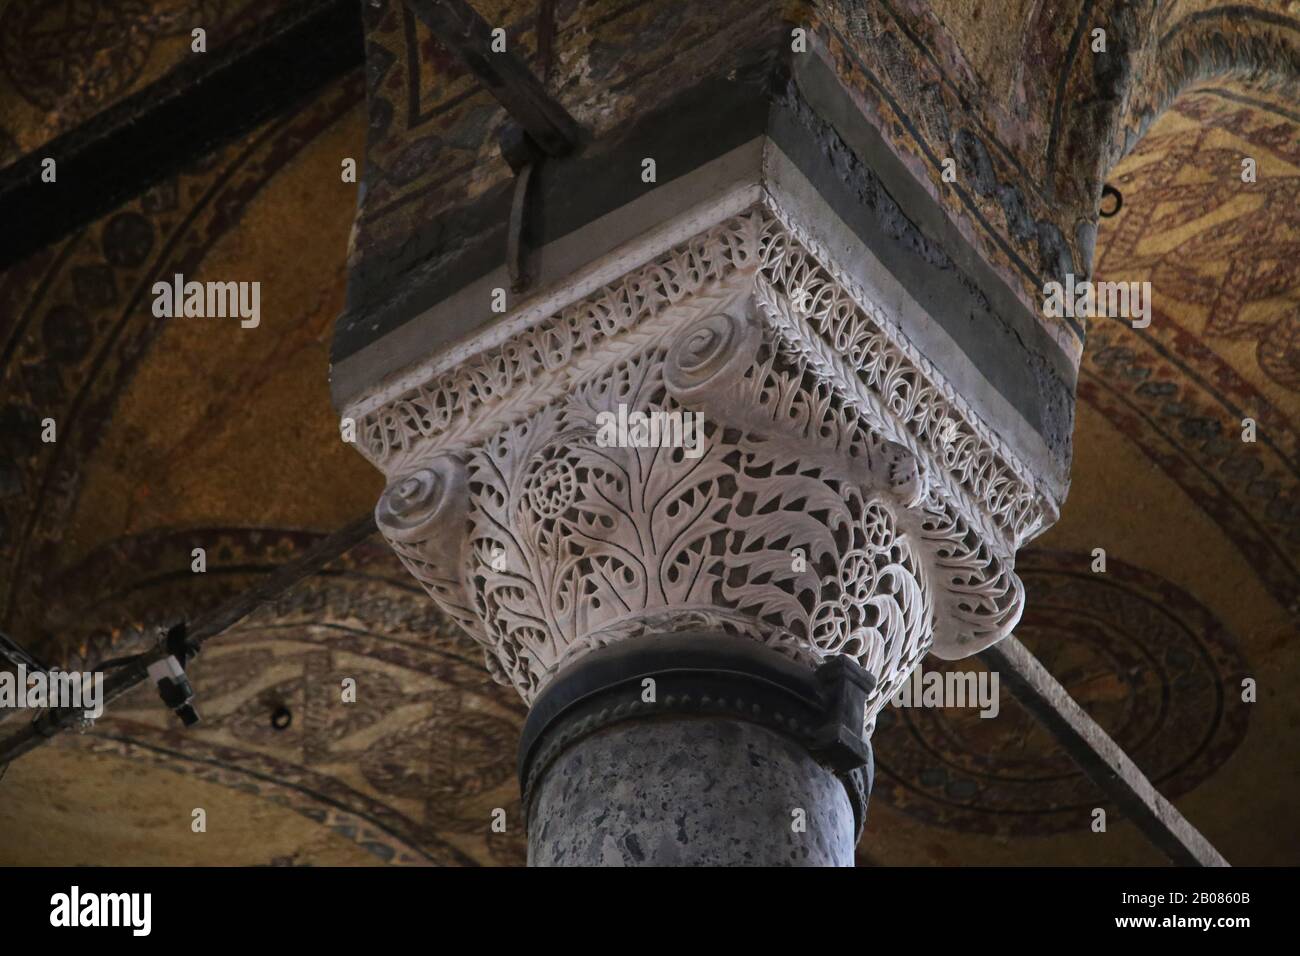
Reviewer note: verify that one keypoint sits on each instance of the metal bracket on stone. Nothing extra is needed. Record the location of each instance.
(524, 155)
(541, 126)
(710, 676)
(841, 742)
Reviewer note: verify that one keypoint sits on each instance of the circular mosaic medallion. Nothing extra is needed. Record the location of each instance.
(1151, 665)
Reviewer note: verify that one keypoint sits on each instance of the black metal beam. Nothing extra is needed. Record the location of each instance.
(464, 33)
(209, 100)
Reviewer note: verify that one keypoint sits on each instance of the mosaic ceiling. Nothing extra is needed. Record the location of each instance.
(66, 60)
(175, 436)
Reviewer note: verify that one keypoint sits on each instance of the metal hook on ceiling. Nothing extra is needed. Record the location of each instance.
(1109, 190)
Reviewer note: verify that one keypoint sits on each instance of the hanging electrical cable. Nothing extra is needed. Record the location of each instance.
(183, 641)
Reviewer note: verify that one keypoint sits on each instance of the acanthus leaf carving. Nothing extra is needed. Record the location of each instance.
(822, 510)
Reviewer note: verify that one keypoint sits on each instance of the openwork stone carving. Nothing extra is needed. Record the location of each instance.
(801, 477)
(422, 516)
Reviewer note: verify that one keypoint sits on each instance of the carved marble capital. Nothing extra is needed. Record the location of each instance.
(728, 437)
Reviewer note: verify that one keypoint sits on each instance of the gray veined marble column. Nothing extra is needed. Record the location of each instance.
(699, 749)
(690, 792)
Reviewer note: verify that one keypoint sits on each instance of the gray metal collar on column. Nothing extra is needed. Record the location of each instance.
(706, 674)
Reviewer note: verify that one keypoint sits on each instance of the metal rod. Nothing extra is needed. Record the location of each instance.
(545, 38)
(1105, 763)
(203, 628)
(11, 651)
(466, 34)
(206, 101)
